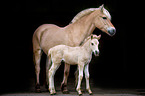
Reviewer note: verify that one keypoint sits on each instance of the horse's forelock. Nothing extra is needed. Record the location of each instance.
(106, 13)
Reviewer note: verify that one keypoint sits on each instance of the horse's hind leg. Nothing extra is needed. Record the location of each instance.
(65, 77)
(37, 57)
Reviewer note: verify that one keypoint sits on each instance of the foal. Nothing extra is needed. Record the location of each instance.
(74, 55)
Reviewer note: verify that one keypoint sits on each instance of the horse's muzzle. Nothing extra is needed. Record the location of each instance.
(111, 31)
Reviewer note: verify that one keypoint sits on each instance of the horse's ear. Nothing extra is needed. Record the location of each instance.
(101, 7)
(98, 37)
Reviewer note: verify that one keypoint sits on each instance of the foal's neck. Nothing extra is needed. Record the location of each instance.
(86, 46)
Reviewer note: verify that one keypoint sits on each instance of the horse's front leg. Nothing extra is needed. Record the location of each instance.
(65, 77)
(81, 67)
(86, 71)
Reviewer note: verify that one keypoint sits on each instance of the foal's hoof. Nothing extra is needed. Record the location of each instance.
(54, 93)
(80, 94)
(90, 93)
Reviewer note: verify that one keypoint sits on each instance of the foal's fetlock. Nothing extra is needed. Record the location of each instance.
(52, 91)
(79, 91)
(90, 92)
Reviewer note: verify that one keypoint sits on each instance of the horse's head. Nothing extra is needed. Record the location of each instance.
(94, 44)
(102, 21)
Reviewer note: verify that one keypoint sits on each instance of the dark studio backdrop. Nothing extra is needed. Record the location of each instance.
(121, 60)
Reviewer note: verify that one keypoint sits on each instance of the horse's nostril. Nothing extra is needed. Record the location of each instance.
(111, 31)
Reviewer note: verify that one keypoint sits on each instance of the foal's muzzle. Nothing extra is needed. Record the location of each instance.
(111, 31)
(96, 53)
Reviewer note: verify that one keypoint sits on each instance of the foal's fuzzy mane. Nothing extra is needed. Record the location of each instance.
(88, 38)
(87, 12)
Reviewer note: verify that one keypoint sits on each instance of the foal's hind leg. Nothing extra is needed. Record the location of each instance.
(52, 71)
(65, 77)
(48, 64)
(37, 57)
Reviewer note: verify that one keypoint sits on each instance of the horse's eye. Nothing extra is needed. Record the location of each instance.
(104, 17)
(92, 43)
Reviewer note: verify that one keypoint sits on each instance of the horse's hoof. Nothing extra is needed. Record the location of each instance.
(65, 92)
(38, 91)
(64, 89)
(37, 88)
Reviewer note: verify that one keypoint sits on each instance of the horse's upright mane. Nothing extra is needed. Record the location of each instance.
(89, 11)
(82, 14)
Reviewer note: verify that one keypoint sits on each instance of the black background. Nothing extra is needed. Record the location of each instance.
(121, 60)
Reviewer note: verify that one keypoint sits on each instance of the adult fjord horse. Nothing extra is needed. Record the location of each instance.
(83, 24)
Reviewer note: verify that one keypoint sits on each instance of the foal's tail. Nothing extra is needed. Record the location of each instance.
(49, 53)
(76, 77)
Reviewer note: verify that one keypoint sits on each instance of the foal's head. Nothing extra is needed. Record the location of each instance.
(94, 43)
(102, 21)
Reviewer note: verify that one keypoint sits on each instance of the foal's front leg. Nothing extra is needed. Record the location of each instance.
(81, 67)
(87, 75)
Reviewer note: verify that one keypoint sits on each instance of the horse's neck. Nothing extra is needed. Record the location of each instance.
(81, 29)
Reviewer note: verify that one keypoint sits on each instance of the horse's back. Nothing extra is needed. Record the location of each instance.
(48, 35)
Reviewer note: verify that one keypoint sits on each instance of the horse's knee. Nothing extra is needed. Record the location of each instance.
(37, 68)
(66, 72)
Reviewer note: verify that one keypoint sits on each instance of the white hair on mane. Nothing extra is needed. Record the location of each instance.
(88, 11)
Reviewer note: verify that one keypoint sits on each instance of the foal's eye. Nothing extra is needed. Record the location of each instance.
(104, 17)
(92, 43)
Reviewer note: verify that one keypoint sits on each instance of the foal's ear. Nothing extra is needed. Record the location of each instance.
(91, 37)
(98, 37)
(101, 7)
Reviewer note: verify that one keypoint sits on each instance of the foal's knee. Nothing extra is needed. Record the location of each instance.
(81, 77)
(50, 73)
(87, 76)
